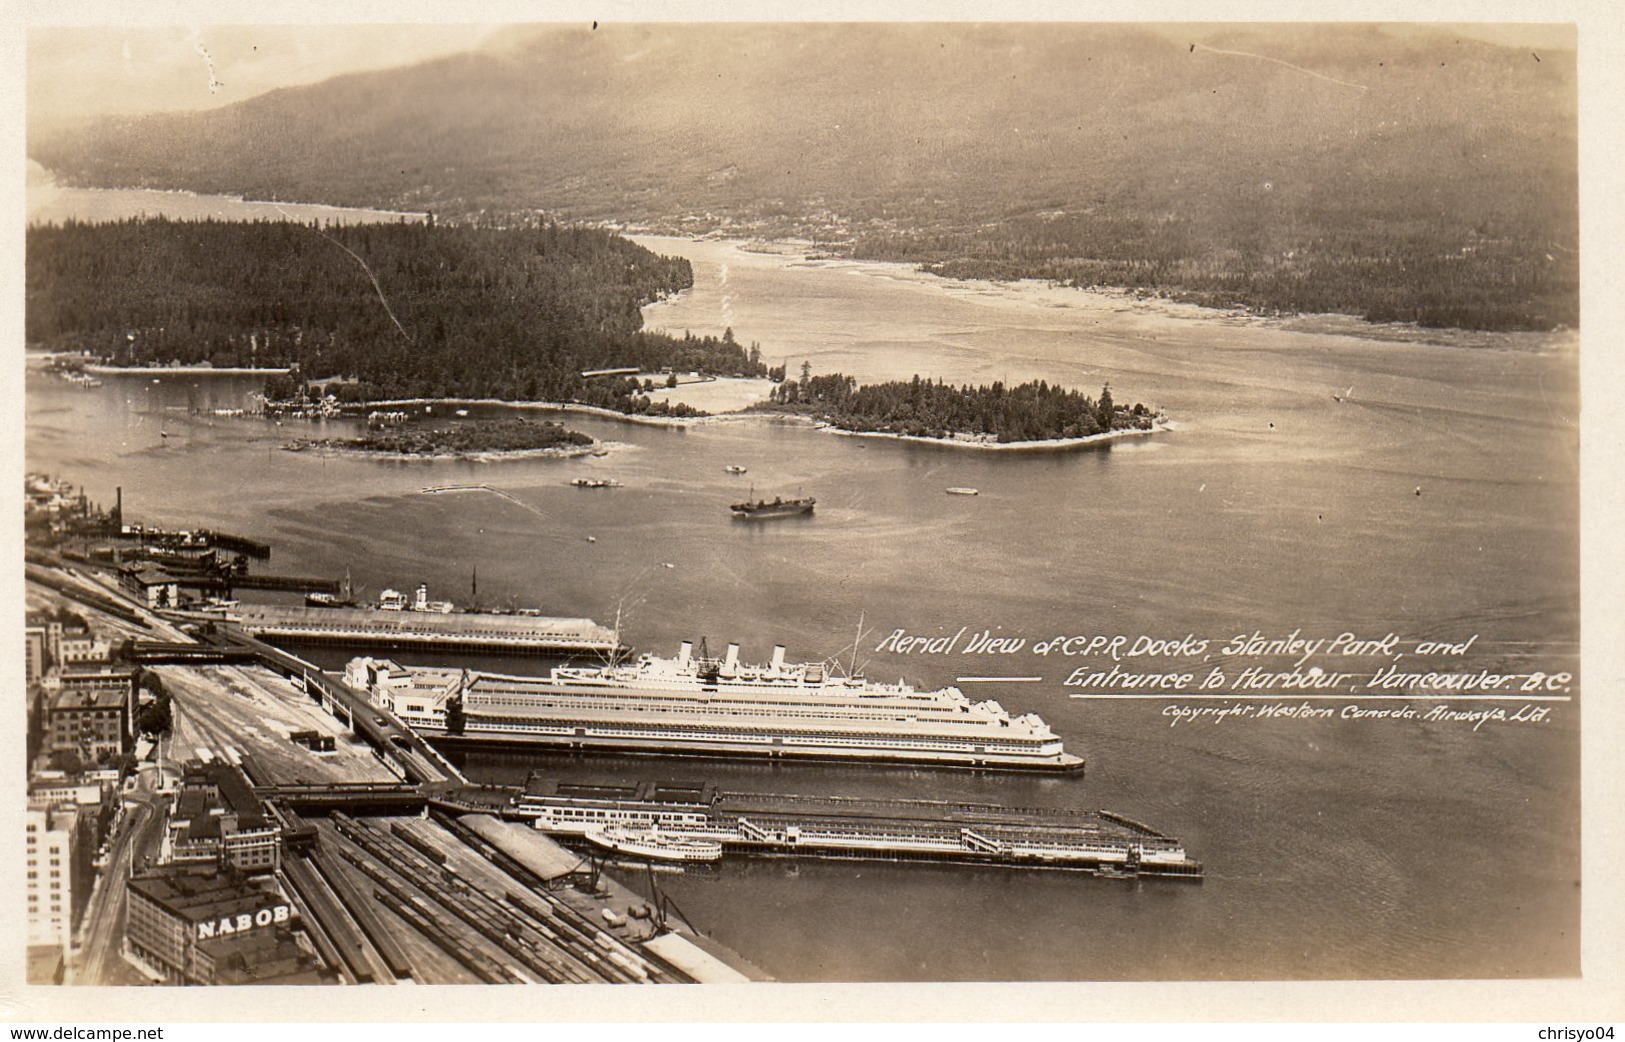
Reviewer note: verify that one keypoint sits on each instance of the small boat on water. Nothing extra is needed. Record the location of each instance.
(961, 491)
(734, 469)
(653, 844)
(765, 510)
(596, 483)
(329, 600)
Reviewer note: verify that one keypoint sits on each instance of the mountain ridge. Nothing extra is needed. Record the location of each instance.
(1264, 143)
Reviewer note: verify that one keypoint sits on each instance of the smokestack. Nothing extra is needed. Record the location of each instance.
(421, 601)
(731, 663)
(778, 657)
(118, 509)
(685, 653)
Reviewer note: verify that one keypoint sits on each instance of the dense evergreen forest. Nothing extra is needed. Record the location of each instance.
(1403, 271)
(461, 438)
(927, 409)
(406, 310)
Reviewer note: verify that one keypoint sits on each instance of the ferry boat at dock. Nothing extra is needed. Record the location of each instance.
(698, 705)
(653, 844)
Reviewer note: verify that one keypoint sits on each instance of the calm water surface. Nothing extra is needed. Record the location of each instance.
(1334, 848)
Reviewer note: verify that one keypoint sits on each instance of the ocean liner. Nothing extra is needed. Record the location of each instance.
(696, 704)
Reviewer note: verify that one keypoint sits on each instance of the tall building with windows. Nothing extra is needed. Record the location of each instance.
(49, 877)
(92, 722)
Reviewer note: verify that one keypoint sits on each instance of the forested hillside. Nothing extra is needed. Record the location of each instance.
(410, 309)
(1397, 173)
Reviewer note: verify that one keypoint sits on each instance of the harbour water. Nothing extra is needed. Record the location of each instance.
(1437, 500)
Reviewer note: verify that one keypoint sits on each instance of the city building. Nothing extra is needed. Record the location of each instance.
(52, 789)
(46, 964)
(218, 820)
(34, 641)
(416, 696)
(92, 722)
(211, 926)
(78, 646)
(51, 872)
(154, 586)
(101, 677)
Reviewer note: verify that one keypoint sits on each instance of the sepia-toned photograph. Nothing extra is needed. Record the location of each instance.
(842, 502)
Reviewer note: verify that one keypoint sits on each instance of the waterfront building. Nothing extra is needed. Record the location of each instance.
(207, 926)
(218, 820)
(417, 696)
(150, 584)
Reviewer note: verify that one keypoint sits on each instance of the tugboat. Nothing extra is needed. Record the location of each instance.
(596, 483)
(765, 510)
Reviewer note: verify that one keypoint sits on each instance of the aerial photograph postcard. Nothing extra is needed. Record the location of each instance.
(839, 503)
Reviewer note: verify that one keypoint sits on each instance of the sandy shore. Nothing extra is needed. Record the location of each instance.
(724, 395)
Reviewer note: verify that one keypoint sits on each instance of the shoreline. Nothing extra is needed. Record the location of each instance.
(575, 407)
(969, 442)
(747, 415)
(1052, 293)
(180, 370)
(479, 456)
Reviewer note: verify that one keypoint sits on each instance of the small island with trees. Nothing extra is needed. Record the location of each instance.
(1029, 414)
(467, 439)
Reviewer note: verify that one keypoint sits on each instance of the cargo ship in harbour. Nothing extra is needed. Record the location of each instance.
(784, 825)
(698, 705)
(766, 510)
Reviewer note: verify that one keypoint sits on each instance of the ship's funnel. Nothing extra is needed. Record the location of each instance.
(421, 601)
(778, 657)
(731, 663)
(685, 653)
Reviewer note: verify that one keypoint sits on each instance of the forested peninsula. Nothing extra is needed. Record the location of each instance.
(408, 310)
(920, 408)
(475, 438)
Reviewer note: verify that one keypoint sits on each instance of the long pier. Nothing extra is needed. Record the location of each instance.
(515, 634)
(862, 828)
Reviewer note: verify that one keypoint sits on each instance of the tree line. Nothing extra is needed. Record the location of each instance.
(1398, 270)
(1035, 411)
(397, 310)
